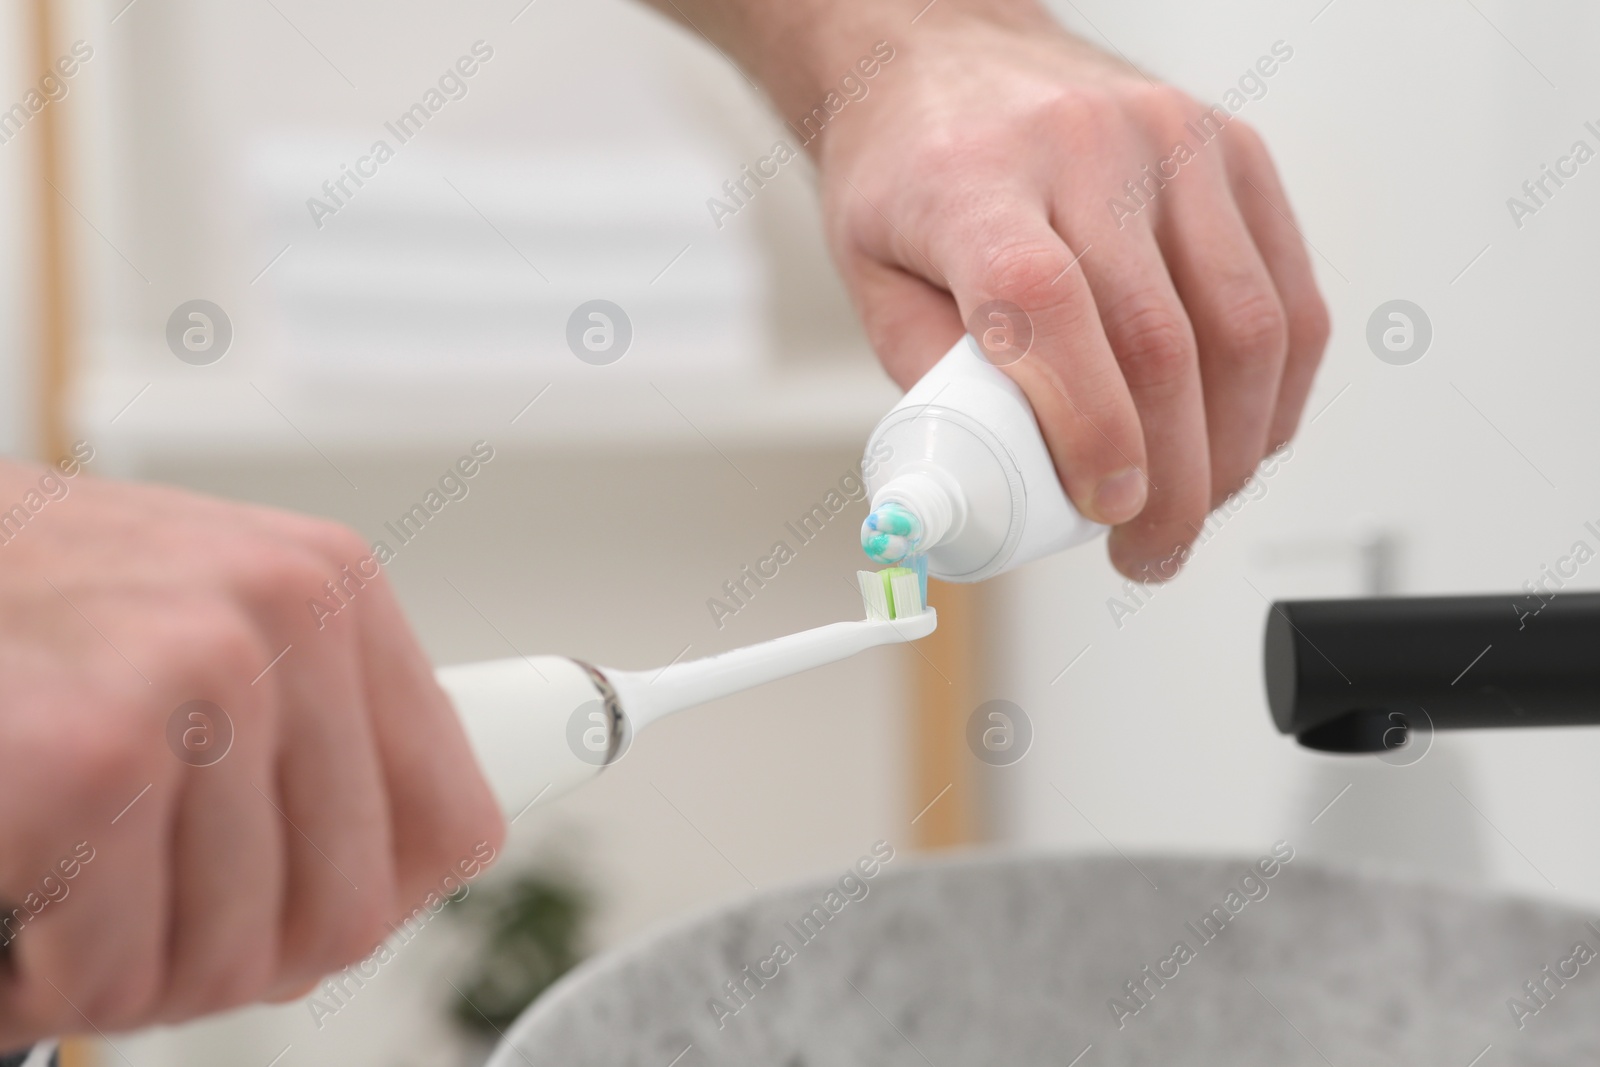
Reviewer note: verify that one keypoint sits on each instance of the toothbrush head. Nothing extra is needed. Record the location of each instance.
(894, 593)
(891, 533)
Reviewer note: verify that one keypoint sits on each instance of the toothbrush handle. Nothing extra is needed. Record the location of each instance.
(542, 725)
(539, 725)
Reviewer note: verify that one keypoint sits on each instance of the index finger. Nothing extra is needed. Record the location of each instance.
(1019, 266)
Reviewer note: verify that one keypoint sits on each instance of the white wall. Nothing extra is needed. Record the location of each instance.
(1400, 132)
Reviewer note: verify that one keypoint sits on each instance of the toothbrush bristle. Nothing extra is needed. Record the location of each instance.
(875, 595)
(905, 592)
(892, 593)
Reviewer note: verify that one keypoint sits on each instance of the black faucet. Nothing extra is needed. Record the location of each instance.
(1363, 675)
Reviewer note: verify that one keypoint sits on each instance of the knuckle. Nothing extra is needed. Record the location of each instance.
(1165, 110)
(458, 848)
(286, 565)
(1243, 138)
(1311, 325)
(1255, 328)
(939, 151)
(1081, 111)
(1154, 344)
(1022, 272)
(350, 926)
(100, 761)
(944, 144)
(291, 586)
(201, 648)
(244, 977)
(335, 941)
(435, 856)
(366, 925)
(308, 551)
(337, 541)
(224, 648)
(1168, 103)
(101, 766)
(1172, 98)
(128, 1000)
(273, 577)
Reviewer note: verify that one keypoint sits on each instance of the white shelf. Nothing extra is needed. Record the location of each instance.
(182, 416)
(414, 323)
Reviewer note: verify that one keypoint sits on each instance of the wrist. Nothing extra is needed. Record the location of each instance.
(820, 48)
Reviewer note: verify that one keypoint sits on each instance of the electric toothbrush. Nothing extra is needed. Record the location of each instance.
(531, 720)
(969, 490)
(549, 723)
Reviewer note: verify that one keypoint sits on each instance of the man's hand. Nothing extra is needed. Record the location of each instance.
(149, 869)
(1174, 338)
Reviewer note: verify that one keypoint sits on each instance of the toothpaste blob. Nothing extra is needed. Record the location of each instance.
(962, 452)
(891, 533)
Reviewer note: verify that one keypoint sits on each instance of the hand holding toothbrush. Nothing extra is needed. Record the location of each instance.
(210, 794)
(215, 795)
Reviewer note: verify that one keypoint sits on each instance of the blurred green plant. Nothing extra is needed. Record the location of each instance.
(531, 932)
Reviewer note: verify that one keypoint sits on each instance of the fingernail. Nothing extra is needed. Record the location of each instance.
(1120, 496)
(1148, 571)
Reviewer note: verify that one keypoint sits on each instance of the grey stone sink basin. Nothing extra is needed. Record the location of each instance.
(993, 959)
